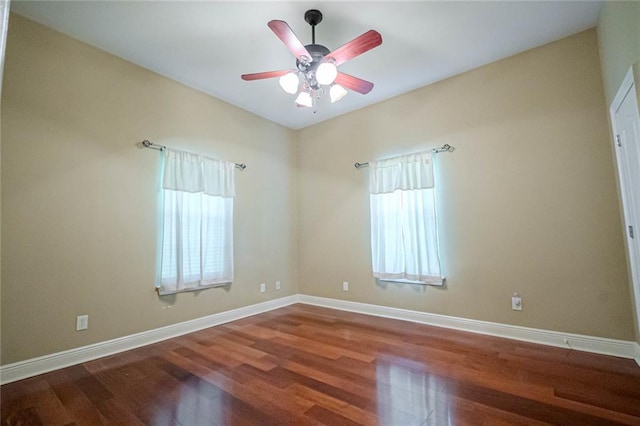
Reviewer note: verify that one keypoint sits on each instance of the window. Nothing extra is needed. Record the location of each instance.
(404, 236)
(197, 228)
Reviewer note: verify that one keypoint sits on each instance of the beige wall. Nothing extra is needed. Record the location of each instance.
(527, 201)
(80, 198)
(619, 47)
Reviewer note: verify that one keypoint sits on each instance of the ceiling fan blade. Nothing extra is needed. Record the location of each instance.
(357, 46)
(286, 34)
(261, 75)
(354, 83)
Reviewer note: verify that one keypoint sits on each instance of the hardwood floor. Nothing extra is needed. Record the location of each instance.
(309, 366)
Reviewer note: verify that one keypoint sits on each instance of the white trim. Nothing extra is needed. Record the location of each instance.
(5, 6)
(600, 345)
(628, 84)
(34, 366)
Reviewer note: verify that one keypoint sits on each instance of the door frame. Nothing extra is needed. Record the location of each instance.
(627, 84)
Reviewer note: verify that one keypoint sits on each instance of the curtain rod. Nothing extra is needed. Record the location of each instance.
(444, 148)
(151, 145)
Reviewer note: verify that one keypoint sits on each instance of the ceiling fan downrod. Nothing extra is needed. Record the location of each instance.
(313, 17)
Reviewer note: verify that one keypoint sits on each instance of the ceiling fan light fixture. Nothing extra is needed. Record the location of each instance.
(327, 72)
(289, 82)
(337, 92)
(304, 99)
(317, 72)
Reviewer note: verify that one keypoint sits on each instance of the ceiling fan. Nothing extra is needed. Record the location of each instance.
(316, 66)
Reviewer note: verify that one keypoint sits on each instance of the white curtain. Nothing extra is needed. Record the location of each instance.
(404, 236)
(197, 237)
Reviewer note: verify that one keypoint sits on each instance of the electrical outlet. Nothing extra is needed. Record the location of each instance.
(82, 322)
(516, 302)
(345, 286)
(263, 287)
(277, 285)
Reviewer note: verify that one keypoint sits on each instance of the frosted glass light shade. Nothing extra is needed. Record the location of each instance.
(289, 82)
(304, 99)
(337, 92)
(326, 73)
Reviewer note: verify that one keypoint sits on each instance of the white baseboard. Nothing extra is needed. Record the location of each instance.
(34, 366)
(600, 345)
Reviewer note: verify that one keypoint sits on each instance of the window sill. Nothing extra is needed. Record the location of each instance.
(406, 281)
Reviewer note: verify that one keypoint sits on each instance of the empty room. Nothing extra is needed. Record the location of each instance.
(320, 213)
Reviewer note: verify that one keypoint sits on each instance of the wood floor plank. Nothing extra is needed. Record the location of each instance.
(268, 403)
(328, 350)
(24, 416)
(307, 365)
(341, 409)
(32, 400)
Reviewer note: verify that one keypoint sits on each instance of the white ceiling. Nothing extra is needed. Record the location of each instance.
(208, 45)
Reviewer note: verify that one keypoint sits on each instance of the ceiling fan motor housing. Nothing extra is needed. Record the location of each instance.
(318, 52)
